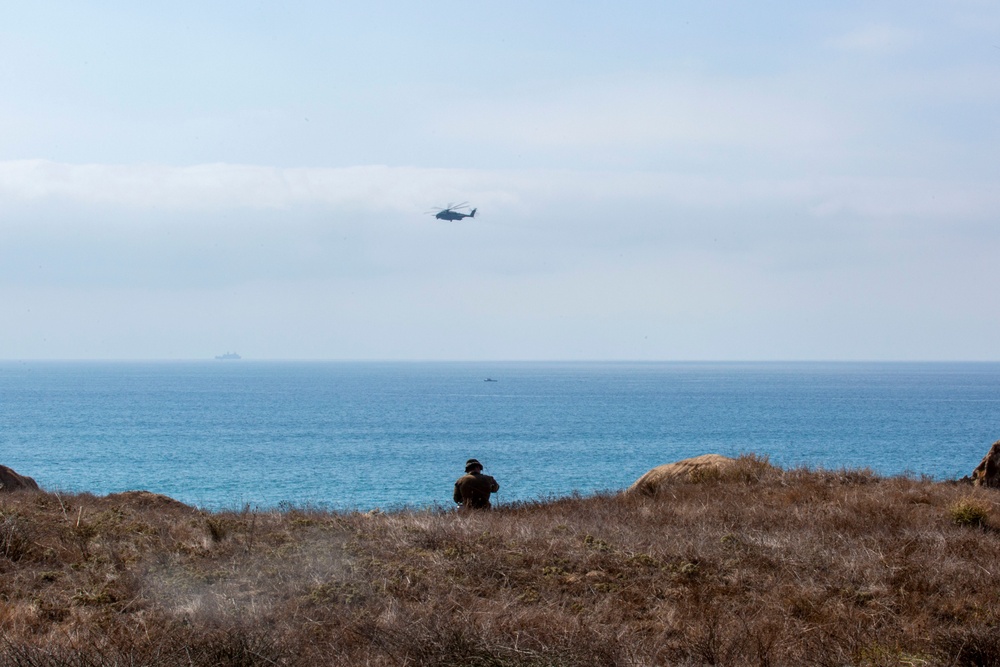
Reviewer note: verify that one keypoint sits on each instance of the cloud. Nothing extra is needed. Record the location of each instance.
(218, 226)
(876, 38)
(148, 260)
(637, 115)
(221, 186)
(510, 194)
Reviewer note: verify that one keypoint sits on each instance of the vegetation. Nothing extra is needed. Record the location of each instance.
(751, 566)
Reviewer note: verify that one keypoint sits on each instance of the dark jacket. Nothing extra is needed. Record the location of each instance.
(472, 490)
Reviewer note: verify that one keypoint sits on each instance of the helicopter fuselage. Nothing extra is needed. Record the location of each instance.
(448, 214)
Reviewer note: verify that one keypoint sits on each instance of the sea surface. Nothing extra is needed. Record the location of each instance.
(342, 435)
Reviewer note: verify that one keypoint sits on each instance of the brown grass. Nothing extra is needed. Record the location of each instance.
(754, 566)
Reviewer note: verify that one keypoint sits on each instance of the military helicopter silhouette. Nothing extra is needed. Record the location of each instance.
(453, 212)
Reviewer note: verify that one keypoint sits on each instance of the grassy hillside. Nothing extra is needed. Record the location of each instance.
(754, 566)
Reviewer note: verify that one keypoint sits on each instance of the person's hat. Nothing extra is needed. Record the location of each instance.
(472, 463)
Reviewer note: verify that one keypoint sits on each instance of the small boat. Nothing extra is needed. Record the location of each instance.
(489, 380)
(227, 356)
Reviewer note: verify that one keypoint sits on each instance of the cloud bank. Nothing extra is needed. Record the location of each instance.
(376, 189)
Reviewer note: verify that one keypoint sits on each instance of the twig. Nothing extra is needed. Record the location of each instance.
(59, 498)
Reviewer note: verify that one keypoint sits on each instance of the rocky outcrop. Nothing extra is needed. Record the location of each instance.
(987, 473)
(148, 500)
(11, 481)
(687, 470)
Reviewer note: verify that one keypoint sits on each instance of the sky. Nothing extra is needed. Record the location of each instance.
(690, 180)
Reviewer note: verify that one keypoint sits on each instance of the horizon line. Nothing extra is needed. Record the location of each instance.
(417, 360)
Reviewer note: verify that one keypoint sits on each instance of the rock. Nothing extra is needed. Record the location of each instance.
(11, 481)
(148, 500)
(687, 470)
(987, 473)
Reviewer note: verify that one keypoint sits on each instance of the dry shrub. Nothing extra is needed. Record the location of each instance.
(233, 646)
(756, 566)
(15, 537)
(975, 645)
(750, 469)
(441, 642)
(705, 475)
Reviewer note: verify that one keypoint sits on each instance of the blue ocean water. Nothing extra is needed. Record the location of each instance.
(222, 434)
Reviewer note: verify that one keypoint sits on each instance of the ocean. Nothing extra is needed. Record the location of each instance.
(359, 435)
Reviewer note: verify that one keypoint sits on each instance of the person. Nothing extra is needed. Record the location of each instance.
(473, 489)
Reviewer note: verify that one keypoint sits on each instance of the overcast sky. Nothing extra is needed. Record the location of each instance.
(690, 180)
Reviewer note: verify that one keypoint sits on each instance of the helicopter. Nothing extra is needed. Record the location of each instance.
(453, 212)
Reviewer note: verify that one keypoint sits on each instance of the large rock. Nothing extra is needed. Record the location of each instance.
(148, 500)
(687, 470)
(987, 473)
(11, 481)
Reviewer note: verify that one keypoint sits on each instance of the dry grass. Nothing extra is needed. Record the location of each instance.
(754, 566)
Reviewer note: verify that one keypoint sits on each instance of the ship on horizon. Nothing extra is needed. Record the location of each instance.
(227, 356)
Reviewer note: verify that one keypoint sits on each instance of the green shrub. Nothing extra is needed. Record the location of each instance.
(969, 512)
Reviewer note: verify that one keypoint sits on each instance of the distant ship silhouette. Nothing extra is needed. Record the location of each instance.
(228, 355)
